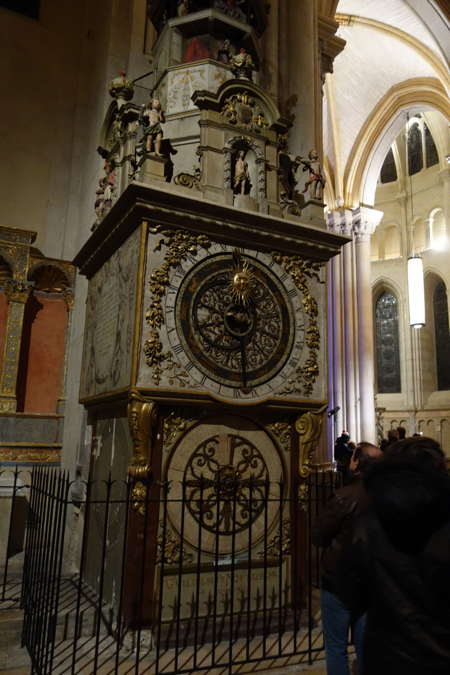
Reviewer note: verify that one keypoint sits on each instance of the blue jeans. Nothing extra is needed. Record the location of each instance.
(336, 624)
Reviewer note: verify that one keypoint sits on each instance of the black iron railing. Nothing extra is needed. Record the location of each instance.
(169, 578)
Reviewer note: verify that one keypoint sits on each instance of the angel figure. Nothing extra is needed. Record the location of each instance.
(316, 181)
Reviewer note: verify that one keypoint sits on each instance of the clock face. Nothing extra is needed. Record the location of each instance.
(235, 322)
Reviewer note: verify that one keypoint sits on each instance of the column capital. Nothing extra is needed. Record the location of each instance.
(340, 221)
(365, 221)
(18, 290)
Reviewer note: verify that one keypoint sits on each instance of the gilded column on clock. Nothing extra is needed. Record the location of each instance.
(17, 292)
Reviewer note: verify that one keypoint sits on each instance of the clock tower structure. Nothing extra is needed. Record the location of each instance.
(205, 338)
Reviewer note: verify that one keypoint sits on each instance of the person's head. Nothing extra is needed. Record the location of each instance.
(410, 494)
(364, 456)
(426, 451)
(392, 435)
(401, 431)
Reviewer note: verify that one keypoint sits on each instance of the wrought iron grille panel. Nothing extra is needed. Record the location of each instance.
(249, 596)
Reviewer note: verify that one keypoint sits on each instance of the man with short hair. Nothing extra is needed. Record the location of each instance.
(331, 530)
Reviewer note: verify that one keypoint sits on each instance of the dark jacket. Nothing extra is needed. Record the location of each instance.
(398, 571)
(334, 525)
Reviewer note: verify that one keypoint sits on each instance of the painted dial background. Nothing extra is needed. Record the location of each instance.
(279, 296)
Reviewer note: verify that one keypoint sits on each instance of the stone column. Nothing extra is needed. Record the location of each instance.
(17, 292)
(336, 389)
(365, 221)
(351, 315)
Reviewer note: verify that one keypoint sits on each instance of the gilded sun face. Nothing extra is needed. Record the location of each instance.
(241, 280)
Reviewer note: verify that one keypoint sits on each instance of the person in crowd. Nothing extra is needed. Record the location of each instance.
(401, 433)
(330, 530)
(342, 455)
(392, 437)
(395, 566)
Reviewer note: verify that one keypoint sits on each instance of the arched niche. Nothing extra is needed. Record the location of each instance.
(255, 158)
(375, 246)
(392, 242)
(437, 230)
(41, 361)
(420, 235)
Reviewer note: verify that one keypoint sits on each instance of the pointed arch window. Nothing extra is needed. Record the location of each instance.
(442, 336)
(415, 157)
(387, 344)
(388, 171)
(431, 153)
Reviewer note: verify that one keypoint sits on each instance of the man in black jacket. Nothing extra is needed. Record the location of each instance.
(331, 530)
(397, 564)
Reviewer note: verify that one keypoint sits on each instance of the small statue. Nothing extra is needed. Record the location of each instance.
(288, 165)
(224, 53)
(183, 7)
(241, 183)
(152, 118)
(242, 65)
(106, 191)
(316, 181)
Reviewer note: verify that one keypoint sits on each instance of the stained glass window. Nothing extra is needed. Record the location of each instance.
(430, 148)
(387, 344)
(388, 171)
(442, 336)
(415, 158)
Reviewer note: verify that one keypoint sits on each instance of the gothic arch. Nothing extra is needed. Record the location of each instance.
(380, 130)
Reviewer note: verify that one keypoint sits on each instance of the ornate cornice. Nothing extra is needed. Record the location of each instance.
(162, 206)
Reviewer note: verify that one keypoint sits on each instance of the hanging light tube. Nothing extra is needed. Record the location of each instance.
(416, 292)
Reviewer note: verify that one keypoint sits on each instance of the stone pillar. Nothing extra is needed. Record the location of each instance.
(366, 220)
(17, 292)
(336, 389)
(351, 316)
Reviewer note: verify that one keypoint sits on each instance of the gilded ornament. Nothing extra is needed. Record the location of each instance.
(283, 432)
(142, 418)
(279, 544)
(308, 427)
(243, 110)
(170, 550)
(174, 425)
(302, 271)
(188, 180)
(179, 245)
(29, 455)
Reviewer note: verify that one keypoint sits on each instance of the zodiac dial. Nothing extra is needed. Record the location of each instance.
(237, 323)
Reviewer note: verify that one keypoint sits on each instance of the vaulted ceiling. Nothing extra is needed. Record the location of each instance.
(394, 61)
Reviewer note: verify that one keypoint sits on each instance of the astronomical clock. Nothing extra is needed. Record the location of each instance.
(205, 335)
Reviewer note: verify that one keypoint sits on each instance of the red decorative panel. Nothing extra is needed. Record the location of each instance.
(42, 358)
